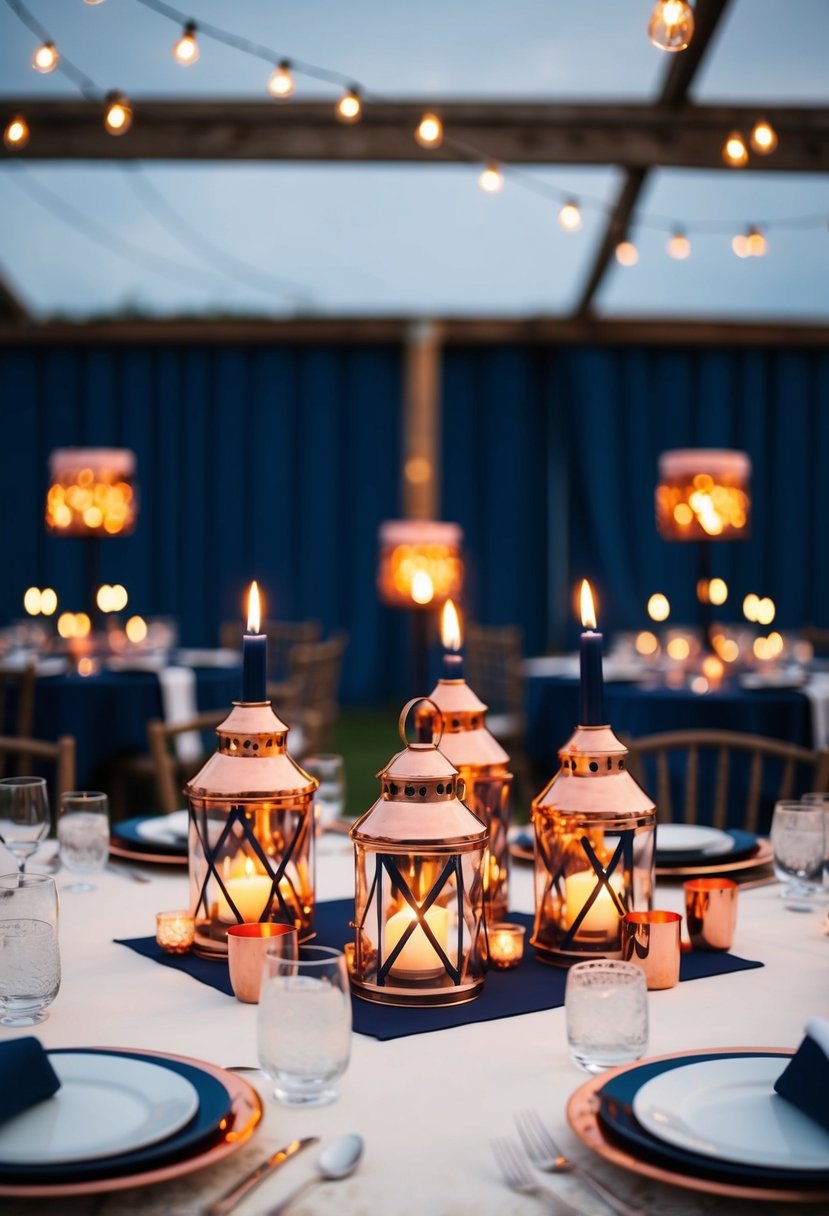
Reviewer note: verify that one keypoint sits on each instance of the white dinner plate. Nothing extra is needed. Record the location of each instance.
(165, 829)
(105, 1105)
(220, 657)
(728, 1109)
(691, 838)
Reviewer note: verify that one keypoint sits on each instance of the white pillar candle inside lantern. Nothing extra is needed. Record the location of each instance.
(418, 854)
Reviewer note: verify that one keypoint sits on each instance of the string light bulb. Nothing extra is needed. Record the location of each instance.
(429, 132)
(46, 58)
(118, 114)
(281, 81)
(739, 243)
(569, 218)
(679, 247)
(491, 179)
(186, 50)
(735, 152)
(349, 107)
(763, 137)
(671, 26)
(16, 134)
(626, 253)
(757, 243)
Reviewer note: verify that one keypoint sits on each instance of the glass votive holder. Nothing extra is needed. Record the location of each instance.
(506, 945)
(175, 931)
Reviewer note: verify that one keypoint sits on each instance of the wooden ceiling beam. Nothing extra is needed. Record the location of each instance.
(633, 136)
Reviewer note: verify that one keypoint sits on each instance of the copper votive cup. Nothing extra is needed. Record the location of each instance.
(650, 940)
(247, 946)
(711, 912)
(506, 945)
(175, 931)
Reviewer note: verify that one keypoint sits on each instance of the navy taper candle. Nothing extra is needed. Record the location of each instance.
(591, 705)
(254, 653)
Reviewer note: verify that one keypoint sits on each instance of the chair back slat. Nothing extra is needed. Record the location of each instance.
(169, 772)
(58, 757)
(663, 787)
(691, 786)
(787, 780)
(720, 812)
(755, 788)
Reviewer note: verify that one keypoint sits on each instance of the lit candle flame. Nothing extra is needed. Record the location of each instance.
(254, 611)
(450, 627)
(588, 611)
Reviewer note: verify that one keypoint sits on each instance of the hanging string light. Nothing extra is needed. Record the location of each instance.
(735, 152)
(16, 134)
(671, 26)
(757, 243)
(46, 58)
(763, 137)
(739, 243)
(93, 1)
(349, 107)
(679, 247)
(186, 50)
(491, 179)
(569, 218)
(281, 81)
(118, 113)
(626, 253)
(429, 132)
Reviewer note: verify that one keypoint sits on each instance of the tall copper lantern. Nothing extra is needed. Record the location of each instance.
(251, 833)
(595, 832)
(418, 855)
(480, 760)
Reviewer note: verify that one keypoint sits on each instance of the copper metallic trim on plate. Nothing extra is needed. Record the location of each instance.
(582, 1115)
(153, 859)
(763, 854)
(245, 1114)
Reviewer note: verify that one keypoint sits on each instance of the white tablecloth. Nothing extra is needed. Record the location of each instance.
(428, 1105)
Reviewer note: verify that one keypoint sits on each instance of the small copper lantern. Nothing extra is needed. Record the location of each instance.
(418, 855)
(480, 760)
(595, 832)
(251, 836)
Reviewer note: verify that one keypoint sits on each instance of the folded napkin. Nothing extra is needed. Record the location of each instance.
(178, 698)
(805, 1082)
(26, 1076)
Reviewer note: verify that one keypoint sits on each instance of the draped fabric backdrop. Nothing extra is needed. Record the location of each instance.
(280, 462)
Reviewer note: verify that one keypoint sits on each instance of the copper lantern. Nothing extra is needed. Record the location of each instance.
(418, 855)
(595, 835)
(251, 834)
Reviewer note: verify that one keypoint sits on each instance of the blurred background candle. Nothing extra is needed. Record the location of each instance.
(592, 684)
(452, 638)
(254, 652)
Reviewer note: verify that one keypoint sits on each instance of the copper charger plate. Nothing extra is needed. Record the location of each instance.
(245, 1114)
(153, 859)
(762, 855)
(582, 1115)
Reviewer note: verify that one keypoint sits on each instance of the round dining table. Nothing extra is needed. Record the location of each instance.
(429, 1105)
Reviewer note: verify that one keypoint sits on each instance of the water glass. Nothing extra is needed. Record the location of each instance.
(822, 800)
(797, 837)
(329, 800)
(304, 1024)
(29, 956)
(24, 816)
(83, 834)
(606, 1008)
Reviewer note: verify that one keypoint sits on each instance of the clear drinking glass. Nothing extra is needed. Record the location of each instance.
(29, 957)
(606, 1007)
(822, 800)
(83, 834)
(24, 816)
(329, 800)
(304, 1024)
(797, 837)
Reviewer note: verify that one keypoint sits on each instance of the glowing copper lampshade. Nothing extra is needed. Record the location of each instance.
(703, 494)
(420, 563)
(92, 492)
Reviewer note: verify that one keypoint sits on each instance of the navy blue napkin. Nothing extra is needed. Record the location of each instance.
(527, 988)
(26, 1076)
(805, 1082)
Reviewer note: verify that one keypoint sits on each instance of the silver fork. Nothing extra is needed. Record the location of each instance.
(515, 1170)
(546, 1155)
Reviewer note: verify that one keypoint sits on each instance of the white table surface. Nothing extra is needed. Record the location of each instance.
(428, 1105)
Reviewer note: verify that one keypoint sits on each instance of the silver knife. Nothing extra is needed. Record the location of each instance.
(227, 1202)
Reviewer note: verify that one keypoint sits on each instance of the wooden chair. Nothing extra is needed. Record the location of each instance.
(770, 768)
(309, 699)
(282, 637)
(17, 689)
(170, 773)
(494, 668)
(35, 754)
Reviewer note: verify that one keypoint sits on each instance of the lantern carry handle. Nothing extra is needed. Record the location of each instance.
(437, 733)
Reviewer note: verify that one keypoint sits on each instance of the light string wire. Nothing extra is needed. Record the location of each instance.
(473, 155)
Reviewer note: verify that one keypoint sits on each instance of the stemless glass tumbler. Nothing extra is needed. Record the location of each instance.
(304, 1024)
(606, 1007)
(29, 957)
(24, 816)
(83, 833)
(797, 837)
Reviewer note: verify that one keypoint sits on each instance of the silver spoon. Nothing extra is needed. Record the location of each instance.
(336, 1161)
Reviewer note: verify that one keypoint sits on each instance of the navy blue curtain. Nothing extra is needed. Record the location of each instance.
(273, 463)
